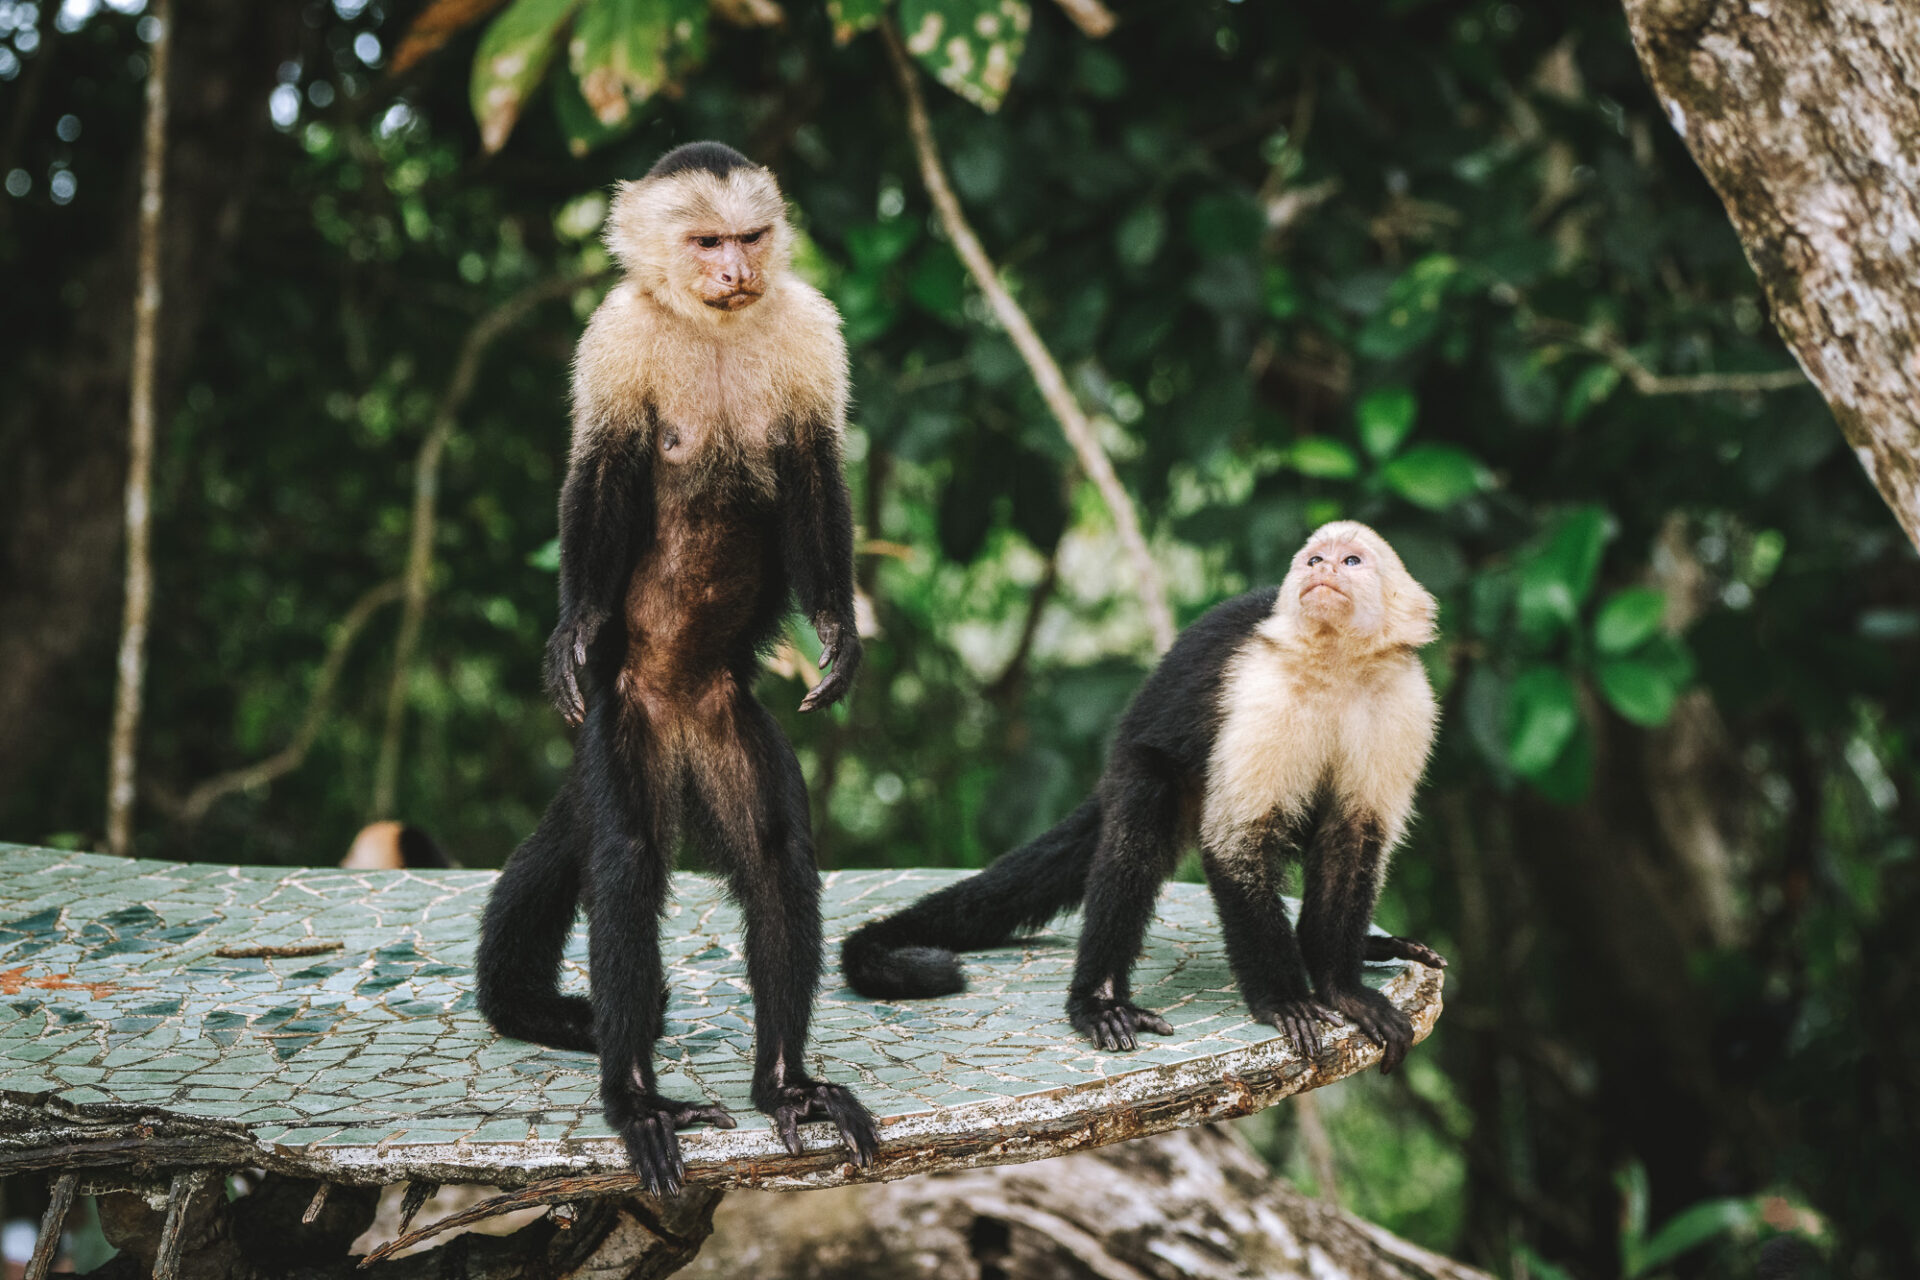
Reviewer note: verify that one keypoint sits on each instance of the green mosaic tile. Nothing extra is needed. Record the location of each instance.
(115, 993)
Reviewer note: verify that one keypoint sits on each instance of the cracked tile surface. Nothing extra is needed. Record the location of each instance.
(331, 1014)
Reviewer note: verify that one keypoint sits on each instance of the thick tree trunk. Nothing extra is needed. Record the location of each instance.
(1194, 1204)
(1804, 117)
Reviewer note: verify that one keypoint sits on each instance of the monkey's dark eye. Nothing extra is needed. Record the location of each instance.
(707, 242)
(1313, 560)
(751, 236)
(1352, 560)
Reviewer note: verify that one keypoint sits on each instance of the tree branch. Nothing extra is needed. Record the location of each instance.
(418, 576)
(132, 663)
(294, 754)
(1649, 383)
(1040, 361)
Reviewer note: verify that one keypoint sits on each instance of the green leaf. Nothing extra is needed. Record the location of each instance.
(625, 51)
(1543, 711)
(873, 245)
(1140, 235)
(938, 282)
(1282, 294)
(1557, 579)
(1220, 226)
(1639, 691)
(971, 46)
(1434, 476)
(513, 54)
(583, 129)
(1411, 313)
(1628, 619)
(1693, 1227)
(1570, 776)
(1595, 384)
(546, 556)
(1324, 459)
(851, 17)
(1385, 417)
(1540, 1268)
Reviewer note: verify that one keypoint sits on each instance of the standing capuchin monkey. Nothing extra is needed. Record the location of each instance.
(1289, 722)
(704, 490)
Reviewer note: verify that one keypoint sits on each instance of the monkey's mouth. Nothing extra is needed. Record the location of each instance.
(1312, 587)
(734, 301)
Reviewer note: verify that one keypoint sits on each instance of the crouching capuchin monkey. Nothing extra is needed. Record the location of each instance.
(1289, 722)
(704, 490)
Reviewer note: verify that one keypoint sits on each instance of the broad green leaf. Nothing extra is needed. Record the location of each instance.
(1540, 1267)
(1323, 459)
(1385, 417)
(1557, 579)
(1568, 779)
(1282, 294)
(1595, 384)
(1669, 656)
(1639, 691)
(1140, 235)
(1692, 1227)
(585, 133)
(1221, 226)
(971, 46)
(625, 51)
(1411, 313)
(546, 556)
(851, 17)
(1434, 476)
(1628, 619)
(514, 52)
(1543, 711)
(873, 245)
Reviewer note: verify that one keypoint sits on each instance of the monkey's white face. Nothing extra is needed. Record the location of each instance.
(727, 266)
(1346, 581)
(1337, 584)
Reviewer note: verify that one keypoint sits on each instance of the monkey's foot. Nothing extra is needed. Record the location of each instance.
(1113, 1024)
(1382, 947)
(1300, 1022)
(653, 1146)
(802, 1100)
(1378, 1021)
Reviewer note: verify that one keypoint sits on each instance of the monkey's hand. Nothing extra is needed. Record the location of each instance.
(1300, 1022)
(566, 654)
(802, 1099)
(840, 650)
(1378, 1021)
(647, 1127)
(1113, 1024)
(1382, 947)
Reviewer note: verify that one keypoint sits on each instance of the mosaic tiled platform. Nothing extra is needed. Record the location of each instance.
(322, 1022)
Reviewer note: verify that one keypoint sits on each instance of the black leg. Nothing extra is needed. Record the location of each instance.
(757, 820)
(524, 934)
(1139, 844)
(630, 840)
(1261, 945)
(1343, 879)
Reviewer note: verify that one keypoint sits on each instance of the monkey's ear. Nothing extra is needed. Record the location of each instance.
(1413, 615)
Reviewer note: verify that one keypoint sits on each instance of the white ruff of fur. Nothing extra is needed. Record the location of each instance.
(728, 385)
(1306, 705)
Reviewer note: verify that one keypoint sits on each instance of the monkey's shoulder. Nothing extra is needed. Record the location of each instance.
(624, 342)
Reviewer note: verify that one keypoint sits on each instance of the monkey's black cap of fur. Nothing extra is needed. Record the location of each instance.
(715, 158)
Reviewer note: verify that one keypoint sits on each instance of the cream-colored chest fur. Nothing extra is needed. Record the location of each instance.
(1293, 721)
(745, 379)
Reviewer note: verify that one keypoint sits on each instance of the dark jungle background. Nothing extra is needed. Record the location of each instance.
(1426, 263)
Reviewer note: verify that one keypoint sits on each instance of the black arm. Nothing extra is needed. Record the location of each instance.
(818, 550)
(606, 511)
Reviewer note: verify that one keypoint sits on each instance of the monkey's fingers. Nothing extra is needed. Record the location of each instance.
(1381, 947)
(830, 690)
(575, 710)
(580, 648)
(853, 1120)
(786, 1120)
(655, 1152)
(827, 653)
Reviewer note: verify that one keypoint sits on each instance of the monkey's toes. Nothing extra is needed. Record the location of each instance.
(1114, 1024)
(1300, 1022)
(1382, 947)
(654, 1147)
(804, 1101)
(1379, 1022)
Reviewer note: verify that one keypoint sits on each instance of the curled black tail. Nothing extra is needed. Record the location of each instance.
(911, 954)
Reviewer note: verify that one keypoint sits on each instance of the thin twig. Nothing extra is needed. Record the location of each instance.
(294, 754)
(1040, 361)
(315, 1205)
(426, 492)
(1649, 383)
(51, 1225)
(132, 664)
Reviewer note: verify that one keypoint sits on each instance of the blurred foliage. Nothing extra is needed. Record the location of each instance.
(1301, 262)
